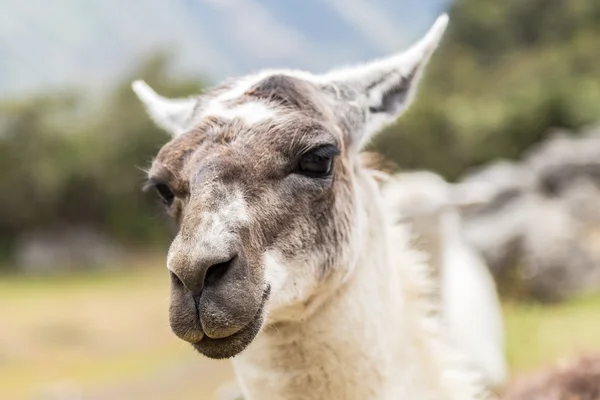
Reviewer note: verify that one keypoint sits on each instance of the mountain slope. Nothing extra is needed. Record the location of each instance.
(87, 42)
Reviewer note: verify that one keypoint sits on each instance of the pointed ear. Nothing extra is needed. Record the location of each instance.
(389, 84)
(172, 115)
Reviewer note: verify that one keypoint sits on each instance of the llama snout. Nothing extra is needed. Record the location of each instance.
(216, 302)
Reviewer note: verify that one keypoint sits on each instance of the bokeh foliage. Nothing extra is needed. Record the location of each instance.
(507, 72)
(68, 161)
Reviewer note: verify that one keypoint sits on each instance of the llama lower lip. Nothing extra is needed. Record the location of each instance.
(194, 336)
(230, 346)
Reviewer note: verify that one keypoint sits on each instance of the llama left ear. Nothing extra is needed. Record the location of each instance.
(172, 115)
(389, 84)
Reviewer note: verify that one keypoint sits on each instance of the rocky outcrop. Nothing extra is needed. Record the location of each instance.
(542, 226)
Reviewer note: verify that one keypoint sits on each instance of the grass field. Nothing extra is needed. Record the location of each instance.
(105, 336)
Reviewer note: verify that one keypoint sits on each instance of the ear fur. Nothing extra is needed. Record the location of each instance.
(172, 115)
(389, 84)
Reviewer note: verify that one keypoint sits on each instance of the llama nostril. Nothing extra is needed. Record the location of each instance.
(204, 271)
(217, 271)
(175, 280)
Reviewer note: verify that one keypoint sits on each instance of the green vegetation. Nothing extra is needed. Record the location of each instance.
(538, 335)
(506, 73)
(63, 163)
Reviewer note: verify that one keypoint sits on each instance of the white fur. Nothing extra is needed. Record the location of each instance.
(468, 294)
(213, 237)
(171, 115)
(392, 69)
(290, 281)
(176, 116)
(403, 62)
(251, 113)
(471, 304)
(368, 337)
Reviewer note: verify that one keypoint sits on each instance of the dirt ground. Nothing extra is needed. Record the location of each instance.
(106, 336)
(97, 337)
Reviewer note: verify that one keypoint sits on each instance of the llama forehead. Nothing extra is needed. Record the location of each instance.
(271, 95)
(261, 97)
(258, 116)
(229, 147)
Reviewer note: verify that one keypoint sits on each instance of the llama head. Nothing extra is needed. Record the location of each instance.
(260, 177)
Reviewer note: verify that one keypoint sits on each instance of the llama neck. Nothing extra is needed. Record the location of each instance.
(341, 351)
(437, 235)
(452, 230)
(429, 237)
(363, 342)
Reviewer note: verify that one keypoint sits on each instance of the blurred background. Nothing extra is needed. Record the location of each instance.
(512, 98)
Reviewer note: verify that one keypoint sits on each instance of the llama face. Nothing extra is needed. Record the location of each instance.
(260, 178)
(262, 207)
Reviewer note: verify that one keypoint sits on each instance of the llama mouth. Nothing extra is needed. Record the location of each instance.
(230, 346)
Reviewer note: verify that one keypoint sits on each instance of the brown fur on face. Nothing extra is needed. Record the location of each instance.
(288, 92)
(376, 162)
(239, 196)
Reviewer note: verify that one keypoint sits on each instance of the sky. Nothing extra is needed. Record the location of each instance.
(89, 43)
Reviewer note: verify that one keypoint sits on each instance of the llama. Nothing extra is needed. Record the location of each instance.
(284, 260)
(467, 291)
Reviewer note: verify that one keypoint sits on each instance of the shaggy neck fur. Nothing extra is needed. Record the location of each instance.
(373, 337)
(427, 236)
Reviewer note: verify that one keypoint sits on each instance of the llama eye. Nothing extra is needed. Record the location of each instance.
(311, 164)
(319, 162)
(165, 193)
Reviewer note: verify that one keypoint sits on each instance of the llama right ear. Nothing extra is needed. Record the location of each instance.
(172, 115)
(389, 84)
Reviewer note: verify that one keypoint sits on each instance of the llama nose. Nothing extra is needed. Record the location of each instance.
(203, 272)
